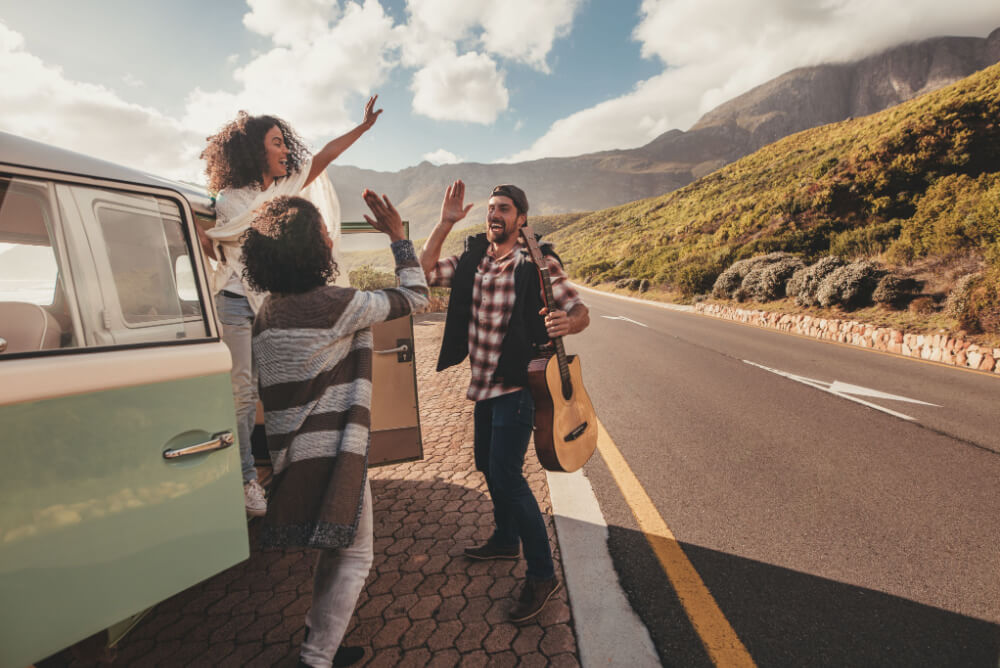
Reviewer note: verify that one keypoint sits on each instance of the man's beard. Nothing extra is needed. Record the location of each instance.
(500, 236)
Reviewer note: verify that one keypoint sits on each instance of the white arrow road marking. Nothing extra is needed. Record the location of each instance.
(621, 317)
(845, 390)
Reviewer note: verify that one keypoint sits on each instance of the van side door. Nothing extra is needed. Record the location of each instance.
(122, 487)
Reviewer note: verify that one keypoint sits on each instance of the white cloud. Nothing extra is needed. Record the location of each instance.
(460, 88)
(455, 45)
(40, 103)
(443, 157)
(318, 81)
(714, 50)
(308, 82)
(290, 22)
(516, 30)
(528, 39)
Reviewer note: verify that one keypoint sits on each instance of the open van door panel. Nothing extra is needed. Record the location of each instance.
(123, 483)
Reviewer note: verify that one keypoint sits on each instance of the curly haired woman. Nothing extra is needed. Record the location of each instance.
(313, 344)
(251, 160)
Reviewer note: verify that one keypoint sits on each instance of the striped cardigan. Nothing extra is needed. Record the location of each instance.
(314, 356)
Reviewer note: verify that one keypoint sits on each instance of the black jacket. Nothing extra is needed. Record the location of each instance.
(525, 329)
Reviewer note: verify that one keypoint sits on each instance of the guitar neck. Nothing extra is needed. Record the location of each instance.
(550, 300)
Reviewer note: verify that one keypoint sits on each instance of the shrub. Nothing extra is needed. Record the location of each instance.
(975, 302)
(958, 298)
(806, 281)
(693, 279)
(923, 305)
(850, 286)
(367, 277)
(893, 290)
(766, 282)
(729, 281)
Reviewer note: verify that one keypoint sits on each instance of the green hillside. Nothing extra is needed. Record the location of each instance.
(916, 188)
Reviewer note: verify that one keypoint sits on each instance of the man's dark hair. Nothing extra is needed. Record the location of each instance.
(236, 158)
(284, 250)
(515, 194)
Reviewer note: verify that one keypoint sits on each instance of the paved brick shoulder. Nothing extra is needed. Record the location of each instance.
(424, 604)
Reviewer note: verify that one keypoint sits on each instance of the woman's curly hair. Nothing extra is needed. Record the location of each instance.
(284, 249)
(236, 158)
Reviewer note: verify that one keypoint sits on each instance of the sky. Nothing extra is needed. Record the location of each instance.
(143, 83)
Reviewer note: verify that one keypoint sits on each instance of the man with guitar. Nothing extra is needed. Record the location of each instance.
(497, 317)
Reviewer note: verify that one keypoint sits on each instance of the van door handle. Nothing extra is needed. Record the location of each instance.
(219, 441)
(402, 351)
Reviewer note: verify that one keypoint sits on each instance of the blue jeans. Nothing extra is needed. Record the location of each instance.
(237, 332)
(502, 430)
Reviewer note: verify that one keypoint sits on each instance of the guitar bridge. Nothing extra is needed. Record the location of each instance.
(576, 433)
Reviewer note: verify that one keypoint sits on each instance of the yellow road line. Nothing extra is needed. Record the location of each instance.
(720, 640)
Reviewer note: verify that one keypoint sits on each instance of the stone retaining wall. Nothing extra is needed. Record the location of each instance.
(934, 347)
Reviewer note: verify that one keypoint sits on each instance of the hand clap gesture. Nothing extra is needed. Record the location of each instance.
(370, 114)
(387, 219)
(452, 207)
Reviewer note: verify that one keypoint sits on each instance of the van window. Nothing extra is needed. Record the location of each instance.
(33, 309)
(83, 267)
(144, 289)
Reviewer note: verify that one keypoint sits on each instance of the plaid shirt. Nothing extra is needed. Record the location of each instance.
(492, 299)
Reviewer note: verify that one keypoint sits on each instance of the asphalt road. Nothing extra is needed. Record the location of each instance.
(829, 532)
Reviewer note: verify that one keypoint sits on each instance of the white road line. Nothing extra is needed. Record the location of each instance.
(646, 302)
(846, 390)
(608, 631)
(621, 317)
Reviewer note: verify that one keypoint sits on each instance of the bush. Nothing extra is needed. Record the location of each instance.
(694, 279)
(958, 298)
(893, 290)
(766, 282)
(729, 281)
(923, 306)
(367, 277)
(850, 286)
(806, 281)
(975, 302)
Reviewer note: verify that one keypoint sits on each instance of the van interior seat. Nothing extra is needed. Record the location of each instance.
(28, 327)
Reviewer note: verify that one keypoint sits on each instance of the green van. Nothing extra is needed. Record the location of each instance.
(117, 426)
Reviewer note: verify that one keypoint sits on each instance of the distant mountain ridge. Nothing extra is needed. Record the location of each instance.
(797, 100)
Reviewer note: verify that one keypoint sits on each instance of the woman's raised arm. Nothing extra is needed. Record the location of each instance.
(337, 146)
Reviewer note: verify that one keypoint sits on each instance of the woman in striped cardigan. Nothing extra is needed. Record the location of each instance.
(313, 344)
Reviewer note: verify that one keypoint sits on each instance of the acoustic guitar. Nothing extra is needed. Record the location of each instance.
(565, 421)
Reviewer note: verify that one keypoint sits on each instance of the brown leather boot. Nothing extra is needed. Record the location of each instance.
(534, 596)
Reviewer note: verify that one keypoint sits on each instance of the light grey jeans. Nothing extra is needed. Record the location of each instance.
(339, 578)
(237, 332)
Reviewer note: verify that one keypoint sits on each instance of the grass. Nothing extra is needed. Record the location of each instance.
(915, 187)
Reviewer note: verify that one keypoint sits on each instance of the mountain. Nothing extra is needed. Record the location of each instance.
(916, 186)
(795, 101)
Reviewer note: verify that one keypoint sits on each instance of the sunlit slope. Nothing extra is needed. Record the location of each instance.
(916, 180)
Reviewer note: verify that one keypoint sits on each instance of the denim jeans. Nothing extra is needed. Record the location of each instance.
(237, 331)
(339, 577)
(502, 430)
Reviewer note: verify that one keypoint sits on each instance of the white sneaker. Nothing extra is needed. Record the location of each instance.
(253, 499)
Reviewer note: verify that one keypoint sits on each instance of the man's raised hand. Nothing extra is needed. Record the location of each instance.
(453, 207)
